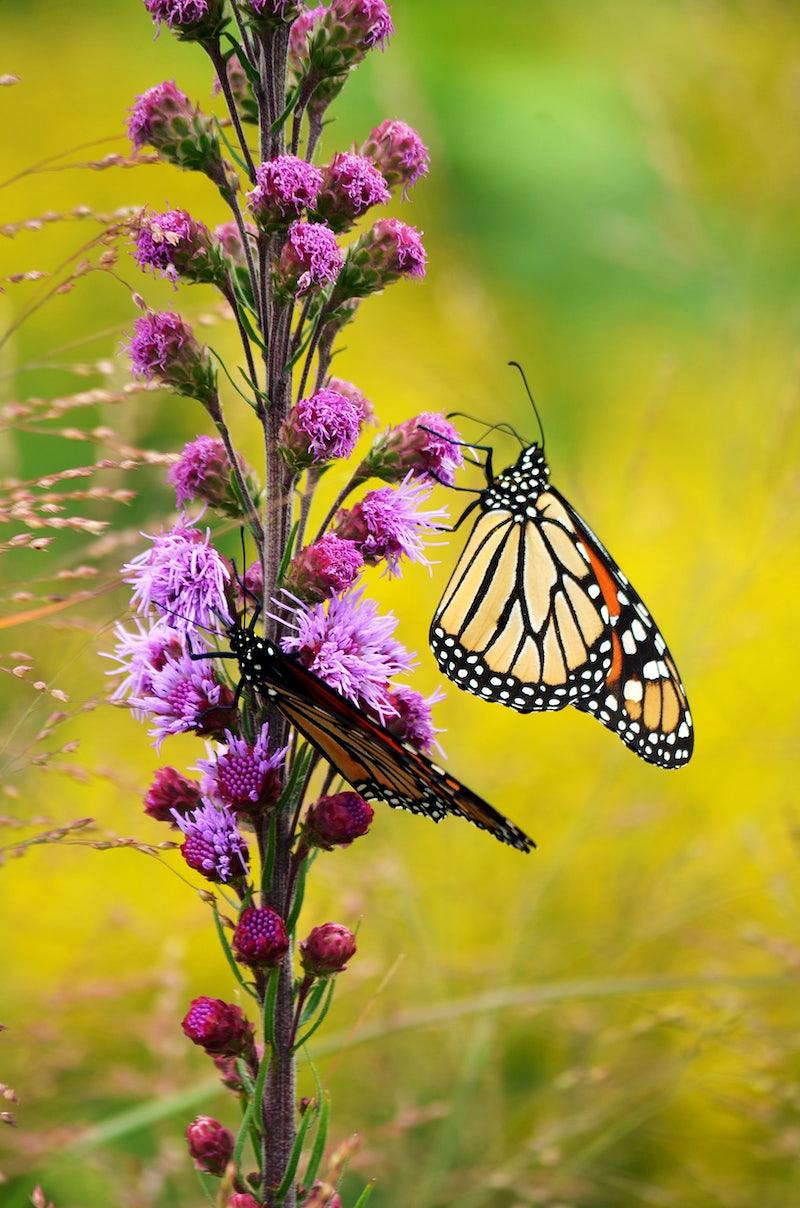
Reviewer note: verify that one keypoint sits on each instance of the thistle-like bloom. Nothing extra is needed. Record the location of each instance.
(192, 20)
(175, 245)
(390, 524)
(395, 250)
(210, 1145)
(163, 347)
(213, 845)
(260, 938)
(203, 472)
(337, 820)
(349, 645)
(351, 185)
(324, 569)
(327, 949)
(310, 257)
(399, 153)
(218, 1027)
(171, 793)
(356, 397)
(243, 776)
(184, 695)
(285, 186)
(164, 118)
(184, 577)
(140, 652)
(274, 10)
(426, 446)
(361, 24)
(412, 720)
(318, 428)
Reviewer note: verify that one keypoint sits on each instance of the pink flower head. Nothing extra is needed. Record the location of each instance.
(164, 118)
(229, 239)
(279, 10)
(213, 845)
(356, 397)
(184, 695)
(140, 653)
(218, 1027)
(352, 185)
(396, 250)
(398, 152)
(210, 1145)
(171, 793)
(329, 566)
(327, 949)
(285, 186)
(246, 777)
(154, 111)
(202, 471)
(337, 820)
(319, 428)
(412, 721)
(427, 446)
(260, 938)
(174, 245)
(163, 346)
(184, 576)
(310, 257)
(365, 23)
(389, 524)
(350, 646)
(305, 26)
(191, 19)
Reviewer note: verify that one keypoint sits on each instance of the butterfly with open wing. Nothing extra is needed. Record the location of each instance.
(371, 759)
(537, 616)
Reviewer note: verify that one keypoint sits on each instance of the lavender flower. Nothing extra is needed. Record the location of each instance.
(183, 575)
(412, 721)
(171, 794)
(245, 776)
(163, 347)
(356, 397)
(285, 186)
(164, 118)
(351, 185)
(310, 257)
(349, 644)
(141, 652)
(318, 428)
(175, 245)
(203, 472)
(191, 20)
(426, 446)
(184, 695)
(213, 845)
(399, 153)
(272, 11)
(329, 566)
(304, 29)
(389, 524)
(386, 253)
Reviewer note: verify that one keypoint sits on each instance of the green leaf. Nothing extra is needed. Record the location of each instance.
(243, 1133)
(294, 1159)
(326, 1006)
(250, 402)
(299, 894)
(206, 1192)
(290, 106)
(270, 998)
(249, 69)
(318, 1150)
(234, 154)
(269, 854)
(287, 553)
(226, 948)
(365, 1195)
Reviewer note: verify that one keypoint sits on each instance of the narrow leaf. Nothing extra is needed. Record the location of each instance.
(226, 948)
(365, 1195)
(318, 1151)
(287, 553)
(294, 1160)
(326, 1006)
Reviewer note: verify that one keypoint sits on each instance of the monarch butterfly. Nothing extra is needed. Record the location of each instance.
(537, 616)
(362, 751)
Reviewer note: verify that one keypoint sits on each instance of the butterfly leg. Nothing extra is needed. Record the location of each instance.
(462, 444)
(256, 614)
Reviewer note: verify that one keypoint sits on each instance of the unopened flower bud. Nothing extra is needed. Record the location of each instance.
(241, 88)
(210, 1145)
(164, 347)
(399, 153)
(164, 118)
(337, 820)
(351, 185)
(203, 472)
(426, 446)
(175, 245)
(387, 252)
(285, 186)
(323, 569)
(243, 1199)
(264, 13)
(260, 938)
(229, 1074)
(171, 794)
(191, 20)
(327, 950)
(218, 1027)
(229, 238)
(310, 257)
(319, 428)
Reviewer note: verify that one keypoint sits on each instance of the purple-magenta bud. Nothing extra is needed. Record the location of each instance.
(323, 569)
(203, 472)
(351, 186)
(355, 26)
(164, 347)
(241, 88)
(260, 938)
(411, 721)
(285, 186)
(265, 13)
(171, 794)
(164, 118)
(394, 250)
(229, 238)
(327, 949)
(337, 820)
(427, 446)
(304, 33)
(356, 397)
(318, 428)
(310, 257)
(175, 245)
(243, 1199)
(218, 1027)
(191, 20)
(399, 153)
(210, 1145)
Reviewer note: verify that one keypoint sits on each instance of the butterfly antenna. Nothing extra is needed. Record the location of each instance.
(499, 427)
(244, 571)
(529, 393)
(188, 620)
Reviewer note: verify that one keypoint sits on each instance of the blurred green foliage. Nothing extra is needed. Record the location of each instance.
(613, 1021)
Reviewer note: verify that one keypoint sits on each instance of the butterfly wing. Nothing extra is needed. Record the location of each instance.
(372, 760)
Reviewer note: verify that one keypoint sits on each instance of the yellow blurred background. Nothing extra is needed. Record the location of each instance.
(612, 1021)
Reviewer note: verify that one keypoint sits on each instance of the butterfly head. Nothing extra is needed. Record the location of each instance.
(516, 488)
(253, 652)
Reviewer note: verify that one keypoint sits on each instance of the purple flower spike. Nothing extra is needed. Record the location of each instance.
(390, 524)
(310, 257)
(350, 645)
(427, 446)
(352, 185)
(399, 153)
(163, 347)
(140, 653)
(184, 577)
(184, 695)
(412, 721)
(324, 569)
(319, 428)
(245, 777)
(285, 186)
(213, 845)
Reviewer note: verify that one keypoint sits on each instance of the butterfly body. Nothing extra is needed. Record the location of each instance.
(537, 616)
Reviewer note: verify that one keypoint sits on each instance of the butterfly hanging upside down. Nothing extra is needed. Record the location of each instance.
(362, 751)
(537, 616)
